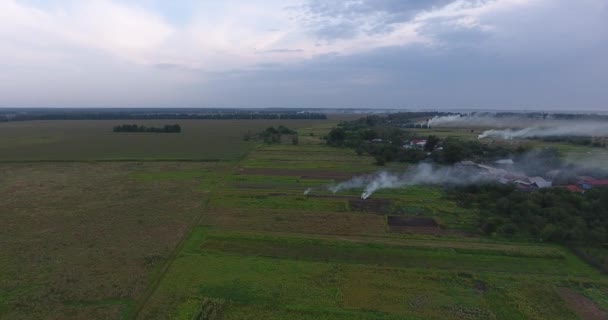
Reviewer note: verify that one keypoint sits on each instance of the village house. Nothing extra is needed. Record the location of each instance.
(415, 144)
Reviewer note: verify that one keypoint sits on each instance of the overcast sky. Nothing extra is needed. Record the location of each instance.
(502, 54)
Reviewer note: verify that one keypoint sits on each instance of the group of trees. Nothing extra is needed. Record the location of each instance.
(372, 135)
(272, 135)
(552, 214)
(360, 135)
(168, 128)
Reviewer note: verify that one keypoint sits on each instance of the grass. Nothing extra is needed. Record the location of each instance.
(83, 240)
(270, 252)
(175, 239)
(94, 140)
(546, 262)
(299, 278)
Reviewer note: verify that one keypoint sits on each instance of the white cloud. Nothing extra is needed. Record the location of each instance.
(221, 35)
(77, 51)
(118, 29)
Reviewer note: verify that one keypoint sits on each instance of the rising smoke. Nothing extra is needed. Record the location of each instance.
(477, 120)
(514, 127)
(420, 174)
(579, 129)
(535, 163)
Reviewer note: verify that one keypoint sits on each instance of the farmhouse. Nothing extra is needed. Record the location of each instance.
(539, 182)
(415, 143)
(522, 182)
(419, 143)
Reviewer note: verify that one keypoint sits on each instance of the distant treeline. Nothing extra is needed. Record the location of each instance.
(151, 115)
(168, 128)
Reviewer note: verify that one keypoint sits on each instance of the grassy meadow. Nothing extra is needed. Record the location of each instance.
(238, 238)
(94, 140)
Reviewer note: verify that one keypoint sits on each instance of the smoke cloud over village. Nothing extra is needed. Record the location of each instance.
(583, 129)
(531, 170)
(513, 127)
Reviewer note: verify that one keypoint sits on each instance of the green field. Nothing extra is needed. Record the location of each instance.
(94, 140)
(238, 237)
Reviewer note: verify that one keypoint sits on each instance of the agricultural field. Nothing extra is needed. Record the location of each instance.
(270, 251)
(94, 140)
(83, 240)
(240, 238)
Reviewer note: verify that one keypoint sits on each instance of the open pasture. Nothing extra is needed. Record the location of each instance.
(94, 139)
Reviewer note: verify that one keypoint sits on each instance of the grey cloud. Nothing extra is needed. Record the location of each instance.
(335, 19)
(520, 65)
(283, 50)
(351, 8)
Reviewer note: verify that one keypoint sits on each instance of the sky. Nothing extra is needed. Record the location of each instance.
(414, 54)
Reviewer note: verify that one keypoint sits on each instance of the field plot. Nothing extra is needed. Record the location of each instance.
(266, 250)
(316, 159)
(84, 240)
(94, 140)
(281, 277)
(461, 133)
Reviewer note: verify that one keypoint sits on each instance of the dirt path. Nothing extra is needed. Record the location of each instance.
(583, 306)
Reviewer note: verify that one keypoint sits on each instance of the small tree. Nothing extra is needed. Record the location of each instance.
(431, 143)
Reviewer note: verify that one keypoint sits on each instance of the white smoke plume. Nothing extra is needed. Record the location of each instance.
(583, 129)
(480, 120)
(307, 191)
(421, 174)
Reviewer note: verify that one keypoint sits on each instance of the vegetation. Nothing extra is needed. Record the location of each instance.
(22, 114)
(239, 239)
(583, 141)
(552, 214)
(206, 140)
(168, 128)
(272, 135)
(378, 137)
(83, 240)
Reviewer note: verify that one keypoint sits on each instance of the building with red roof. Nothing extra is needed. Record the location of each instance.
(573, 188)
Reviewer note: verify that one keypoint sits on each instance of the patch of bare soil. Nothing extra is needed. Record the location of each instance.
(376, 205)
(583, 306)
(480, 286)
(277, 194)
(412, 221)
(423, 225)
